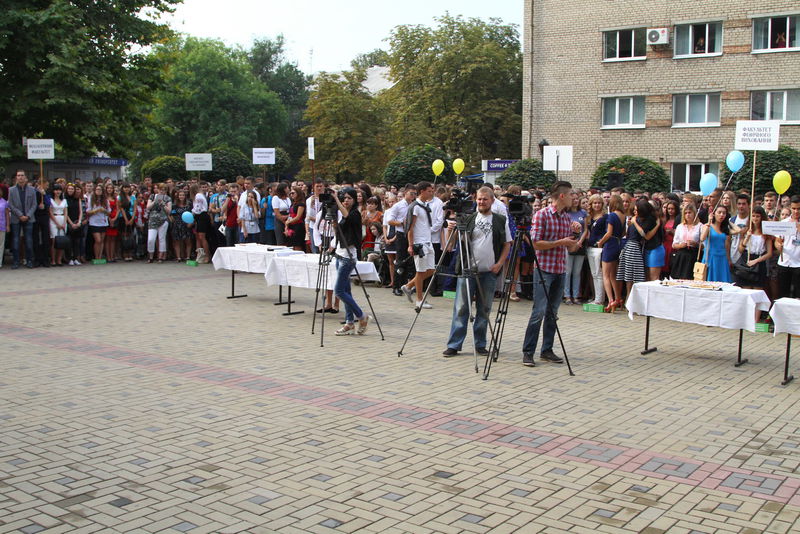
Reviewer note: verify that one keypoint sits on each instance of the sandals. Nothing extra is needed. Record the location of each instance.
(362, 325)
(346, 330)
(513, 297)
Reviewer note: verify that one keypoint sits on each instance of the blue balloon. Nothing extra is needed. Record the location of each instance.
(187, 217)
(735, 160)
(708, 183)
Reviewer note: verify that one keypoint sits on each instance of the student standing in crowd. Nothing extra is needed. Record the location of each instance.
(58, 224)
(248, 218)
(112, 232)
(159, 207)
(230, 214)
(74, 222)
(98, 210)
(295, 226)
(281, 204)
(788, 248)
(5, 215)
(597, 223)
(685, 244)
(202, 220)
(717, 242)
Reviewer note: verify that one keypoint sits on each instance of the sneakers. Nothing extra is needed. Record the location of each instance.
(449, 353)
(482, 351)
(71, 262)
(527, 359)
(201, 255)
(408, 293)
(362, 325)
(550, 356)
(423, 305)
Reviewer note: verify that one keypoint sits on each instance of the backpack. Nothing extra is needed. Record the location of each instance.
(410, 215)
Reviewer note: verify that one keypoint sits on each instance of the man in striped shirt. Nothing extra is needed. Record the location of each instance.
(551, 235)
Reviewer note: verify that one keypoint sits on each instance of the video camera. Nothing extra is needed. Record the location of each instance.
(519, 205)
(328, 200)
(461, 196)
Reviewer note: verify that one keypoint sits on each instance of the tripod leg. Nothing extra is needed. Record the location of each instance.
(502, 306)
(369, 302)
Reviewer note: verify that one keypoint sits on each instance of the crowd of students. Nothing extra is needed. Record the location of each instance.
(625, 237)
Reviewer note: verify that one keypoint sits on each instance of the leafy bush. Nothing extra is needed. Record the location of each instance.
(228, 163)
(637, 174)
(528, 174)
(162, 167)
(413, 165)
(767, 164)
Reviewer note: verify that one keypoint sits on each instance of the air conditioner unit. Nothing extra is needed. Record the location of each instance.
(658, 36)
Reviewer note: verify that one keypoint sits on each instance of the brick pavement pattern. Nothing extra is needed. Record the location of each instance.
(137, 398)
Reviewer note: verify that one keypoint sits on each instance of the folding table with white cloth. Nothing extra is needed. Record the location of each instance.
(785, 315)
(249, 258)
(731, 307)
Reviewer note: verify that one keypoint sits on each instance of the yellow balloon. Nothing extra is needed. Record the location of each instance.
(458, 165)
(781, 181)
(438, 167)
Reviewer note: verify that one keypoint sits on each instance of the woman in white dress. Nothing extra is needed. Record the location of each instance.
(58, 224)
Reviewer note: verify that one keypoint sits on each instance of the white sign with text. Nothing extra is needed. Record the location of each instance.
(779, 228)
(263, 156)
(310, 148)
(198, 162)
(757, 135)
(41, 149)
(557, 158)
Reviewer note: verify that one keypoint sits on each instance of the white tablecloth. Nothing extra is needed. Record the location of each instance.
(249, 258)
(785, 315)
(302, 271)
(727, 309)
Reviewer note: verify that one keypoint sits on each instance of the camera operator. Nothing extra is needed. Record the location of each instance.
(397, 218)
(350, 233)
(551, 234)
(489, 242)
(419, 222)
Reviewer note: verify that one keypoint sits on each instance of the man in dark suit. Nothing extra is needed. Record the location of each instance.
(22, 203)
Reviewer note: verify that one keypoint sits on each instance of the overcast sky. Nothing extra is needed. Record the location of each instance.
(335, 31)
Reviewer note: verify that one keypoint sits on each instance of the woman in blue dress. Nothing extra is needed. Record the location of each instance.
(717, 241)
(611, 243)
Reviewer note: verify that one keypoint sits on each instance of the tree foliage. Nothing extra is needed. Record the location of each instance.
(528, 174)
(767, 164)
(163, 167)
(413, 165)
(637, 174)
(212, 99)
(349, 127)
(458, 86)
(77, 72)
(228, 163)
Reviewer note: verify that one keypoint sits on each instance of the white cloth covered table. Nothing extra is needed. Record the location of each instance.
(302, 271)
(785, 315)
(734, 308)
(249, 258)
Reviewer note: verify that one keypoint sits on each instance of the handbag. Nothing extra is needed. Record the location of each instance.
(61, 241)
(700, 270)
(746, 273)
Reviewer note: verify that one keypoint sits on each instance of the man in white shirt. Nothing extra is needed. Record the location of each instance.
(740, 222)
(313, 206)
(248, 186)
(490, 241)
(437, 218)
(419, 243)
(397, 219)
(789, 260)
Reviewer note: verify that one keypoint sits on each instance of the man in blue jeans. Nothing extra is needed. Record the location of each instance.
(551, 236)
(22, 204)
(489, 242)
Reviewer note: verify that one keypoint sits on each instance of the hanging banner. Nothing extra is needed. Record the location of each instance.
(263, 156)
(311, 148)
(41, 149)
(757, 135)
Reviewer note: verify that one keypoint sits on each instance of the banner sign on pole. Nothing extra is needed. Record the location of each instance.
(41, 149)
(263, 156)
(779, 228)
(198, 162)
(757, 135)
(557, 158)
(311, 148)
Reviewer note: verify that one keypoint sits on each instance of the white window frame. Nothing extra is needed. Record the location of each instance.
(768, 104)
(707, 123)
(633, 45)
(692, 39)
(705, 167)
(622, 126)
(769, 50)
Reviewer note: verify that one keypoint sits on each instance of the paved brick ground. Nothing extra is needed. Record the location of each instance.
(136, 398)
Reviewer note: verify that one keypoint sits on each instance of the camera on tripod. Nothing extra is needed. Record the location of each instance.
(461, 201)
(519, 204)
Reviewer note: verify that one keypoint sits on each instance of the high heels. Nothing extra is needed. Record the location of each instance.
(612, 306)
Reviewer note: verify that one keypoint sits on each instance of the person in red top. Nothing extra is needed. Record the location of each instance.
(230, 214)
(551, 236)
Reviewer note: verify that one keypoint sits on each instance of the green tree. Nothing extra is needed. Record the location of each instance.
(348, 125)
(637, 174)
(212, 99)
(785, 158)
(377, 57)
(228, 163)
(458, 86)
(413, 165)
(162, 167)
(528, 174)
(78, 72)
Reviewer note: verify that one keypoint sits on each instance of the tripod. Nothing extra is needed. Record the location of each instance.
(502, 308)
(468, 272)
(325, 259)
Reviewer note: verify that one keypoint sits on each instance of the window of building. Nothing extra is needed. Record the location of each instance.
(776, 33)
(686, 176)
(698, 39)
(696, 110)
(776, 105)
(623, 112)
(625, 44)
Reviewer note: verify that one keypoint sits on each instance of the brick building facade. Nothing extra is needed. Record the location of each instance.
(591, 79)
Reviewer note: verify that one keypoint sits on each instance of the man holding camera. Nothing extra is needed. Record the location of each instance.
(396, 218)
(489, 243)
(418, 232)
(551, 235)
